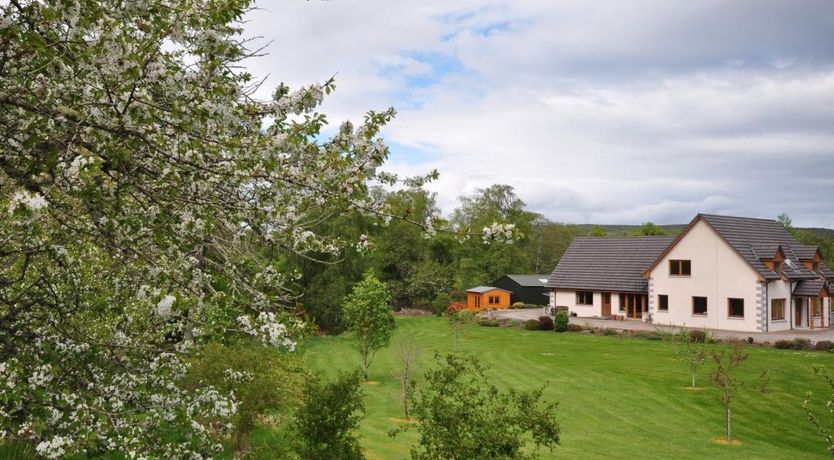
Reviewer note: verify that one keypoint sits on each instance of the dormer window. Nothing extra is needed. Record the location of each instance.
(777, 267)
(815, 267)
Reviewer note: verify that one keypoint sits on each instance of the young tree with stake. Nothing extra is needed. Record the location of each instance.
(459, 321)
(408, 353)
(368, 318)
(823, 427)
(724, 377)
(691, 350)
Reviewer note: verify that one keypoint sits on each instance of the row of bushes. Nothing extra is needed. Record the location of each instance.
(520, 305)
(560, 323)
(804, 344)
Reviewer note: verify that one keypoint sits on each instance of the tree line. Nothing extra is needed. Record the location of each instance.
(422, 270)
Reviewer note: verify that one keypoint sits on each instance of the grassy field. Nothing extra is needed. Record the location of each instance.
(619, 397)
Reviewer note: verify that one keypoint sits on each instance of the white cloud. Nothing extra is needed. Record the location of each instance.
(612, 112)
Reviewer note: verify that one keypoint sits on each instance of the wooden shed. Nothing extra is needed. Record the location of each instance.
(484, 297)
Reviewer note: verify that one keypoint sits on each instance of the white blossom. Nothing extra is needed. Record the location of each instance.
(163, 308)
(27, 199)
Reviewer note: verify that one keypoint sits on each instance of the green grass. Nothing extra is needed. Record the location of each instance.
(619, 397)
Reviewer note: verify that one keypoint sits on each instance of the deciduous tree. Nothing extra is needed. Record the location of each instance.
(724, 377)
(368, 318)
(328, 419)
(408, 352)
(463, 415)
(146, 195)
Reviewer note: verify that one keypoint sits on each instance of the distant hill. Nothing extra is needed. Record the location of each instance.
(674, 229)
(821, 232)
(622, 230)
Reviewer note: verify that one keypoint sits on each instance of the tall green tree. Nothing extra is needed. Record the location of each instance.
(785, 220)
(598, 231)
(479, 263)
(548, 242)
(401, 248)
(368, 318)
(650, 229)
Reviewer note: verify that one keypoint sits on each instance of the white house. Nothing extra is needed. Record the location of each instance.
(721, 272)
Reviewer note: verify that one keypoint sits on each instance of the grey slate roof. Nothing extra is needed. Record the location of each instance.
(754, 239)
(482, 289)
(805, 252)
(608, 264)
(529, 280)
(810, 288)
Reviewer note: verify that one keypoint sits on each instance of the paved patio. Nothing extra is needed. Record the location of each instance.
(533, 313)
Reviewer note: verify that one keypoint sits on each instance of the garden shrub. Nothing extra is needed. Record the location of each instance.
(463, 415)
(518, 305)
(802, 344)
(440, 304)
(531, 325)
(795, 344)
(561, 321)
(698, 336)
(824, 345)
(545, 323)
(648, 335)
(610, 332)
(575, 328)
(488, 322)
(265, 381)
(328, 420)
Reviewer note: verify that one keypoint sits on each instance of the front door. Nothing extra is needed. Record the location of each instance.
(606, 304)
(797, 313)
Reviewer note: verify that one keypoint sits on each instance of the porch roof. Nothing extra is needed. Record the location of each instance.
(811, 288)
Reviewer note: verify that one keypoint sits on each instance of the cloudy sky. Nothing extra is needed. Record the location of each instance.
(602, 112)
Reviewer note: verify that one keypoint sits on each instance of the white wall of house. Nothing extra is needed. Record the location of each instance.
(568, 299)
(718, 273)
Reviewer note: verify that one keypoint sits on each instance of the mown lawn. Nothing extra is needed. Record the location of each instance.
(619, 397)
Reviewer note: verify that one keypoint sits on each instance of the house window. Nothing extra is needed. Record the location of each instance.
(815, 267)
(699, 305)
(777, 309)
(494, 299)
(584, 298)
(680, 267)
(662, 302)
(735, 308)
(777, 267)
(816, 307)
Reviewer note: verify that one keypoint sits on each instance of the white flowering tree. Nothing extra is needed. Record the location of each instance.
(145, 196)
